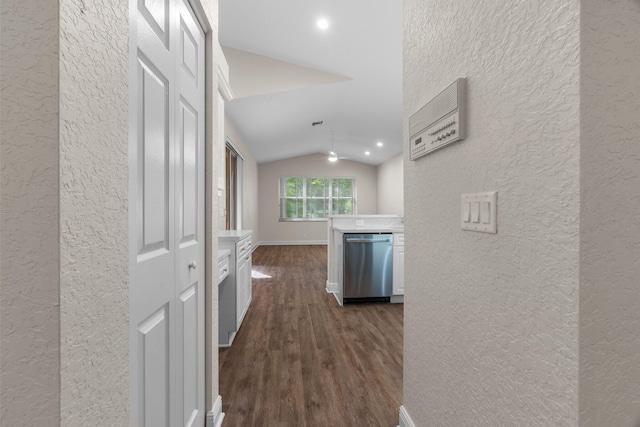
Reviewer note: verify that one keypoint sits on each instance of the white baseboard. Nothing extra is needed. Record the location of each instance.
(397, 299)
(215, 416)
(405, 419)
(232, 336)
(335, 294)
(292, 242)
(331, 287)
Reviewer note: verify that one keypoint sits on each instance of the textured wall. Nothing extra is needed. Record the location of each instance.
(29, 392)
(64, 245)
(314, 165)
(390, 200)
(610, 214)
(214, 140)
(94, 129)
(491, 321)
(221, 153)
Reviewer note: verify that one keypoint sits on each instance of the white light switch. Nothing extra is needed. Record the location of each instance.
(479, 212)
(475, 211)
(485, 212)
(466, 211)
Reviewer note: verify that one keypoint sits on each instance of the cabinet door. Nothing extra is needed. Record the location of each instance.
(244, 287)
(398, 270)
(240, 290)
(248, 284)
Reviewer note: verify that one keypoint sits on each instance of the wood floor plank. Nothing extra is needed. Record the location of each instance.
(300, 359)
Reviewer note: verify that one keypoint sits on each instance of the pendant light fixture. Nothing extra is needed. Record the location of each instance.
(333, 156)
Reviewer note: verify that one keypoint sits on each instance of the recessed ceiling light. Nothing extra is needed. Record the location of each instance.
(322, 23)
(379, 144)
(367, 153)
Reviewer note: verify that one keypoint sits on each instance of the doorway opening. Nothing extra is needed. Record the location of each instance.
(233, 179)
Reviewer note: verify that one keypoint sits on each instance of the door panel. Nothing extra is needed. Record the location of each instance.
(189, 146)
(156, 15)
(153, 165)
(189, 300)
(190, 212)
(189, 50)
(154, 380)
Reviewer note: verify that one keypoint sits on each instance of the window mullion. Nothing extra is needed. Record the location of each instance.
(304, 197)
(330, 196)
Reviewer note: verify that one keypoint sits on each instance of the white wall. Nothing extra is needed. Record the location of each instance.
(491, 320)
(317, 165)
(610, 214)
(391, 186)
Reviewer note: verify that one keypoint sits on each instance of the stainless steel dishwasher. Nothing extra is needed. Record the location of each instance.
(368, 267)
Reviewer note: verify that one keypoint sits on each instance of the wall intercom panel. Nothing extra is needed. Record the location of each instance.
(440, 122)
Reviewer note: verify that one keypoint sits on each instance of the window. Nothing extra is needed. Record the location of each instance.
(312, 199)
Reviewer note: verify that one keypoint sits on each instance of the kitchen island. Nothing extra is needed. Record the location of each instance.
(338, 225)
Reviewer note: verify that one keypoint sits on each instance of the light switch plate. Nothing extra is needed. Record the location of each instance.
(483, 215)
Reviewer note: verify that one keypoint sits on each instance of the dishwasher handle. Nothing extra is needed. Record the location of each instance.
(368, 241)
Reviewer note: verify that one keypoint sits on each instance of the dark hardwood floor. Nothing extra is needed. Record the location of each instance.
(300, 359)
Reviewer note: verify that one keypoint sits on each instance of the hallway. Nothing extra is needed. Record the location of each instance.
(301, 360)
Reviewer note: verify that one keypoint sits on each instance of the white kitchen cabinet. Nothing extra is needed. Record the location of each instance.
(235, 292)
(398, 264)
(338, 225)
(243, 279)
(223, 264)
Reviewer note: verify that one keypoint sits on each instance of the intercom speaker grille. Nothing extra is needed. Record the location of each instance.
(437, 108)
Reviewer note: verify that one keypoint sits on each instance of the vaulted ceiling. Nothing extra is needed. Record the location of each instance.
(286, 73)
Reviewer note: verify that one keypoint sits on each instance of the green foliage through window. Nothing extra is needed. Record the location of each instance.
(316, 198)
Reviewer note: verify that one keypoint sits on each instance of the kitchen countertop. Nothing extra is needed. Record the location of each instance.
(223, 253)
(231, 235)
(363, 216)
(365, 229)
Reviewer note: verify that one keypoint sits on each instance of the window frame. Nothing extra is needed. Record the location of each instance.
(329, 197)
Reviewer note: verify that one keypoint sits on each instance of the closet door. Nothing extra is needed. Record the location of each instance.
(190, 289)
(166, 214)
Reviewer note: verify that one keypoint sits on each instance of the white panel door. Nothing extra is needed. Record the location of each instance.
(190, 288)
(166, 218)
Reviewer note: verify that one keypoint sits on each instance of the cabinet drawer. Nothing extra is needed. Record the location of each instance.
(398, 239)
(243, 258)
(223, 269)
(243, 247)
